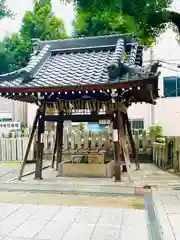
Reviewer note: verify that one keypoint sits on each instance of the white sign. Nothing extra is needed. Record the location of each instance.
(115, 135)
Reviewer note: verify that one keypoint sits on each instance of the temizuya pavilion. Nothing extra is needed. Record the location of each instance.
(86, 73)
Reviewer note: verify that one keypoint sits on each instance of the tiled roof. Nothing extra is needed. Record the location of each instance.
(84, 61)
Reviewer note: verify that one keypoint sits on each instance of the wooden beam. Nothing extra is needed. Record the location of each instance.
(29, 144)
(78, 118)
(39, 161)
(90, 87)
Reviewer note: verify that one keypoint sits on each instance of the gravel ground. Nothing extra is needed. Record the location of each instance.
(72, 200)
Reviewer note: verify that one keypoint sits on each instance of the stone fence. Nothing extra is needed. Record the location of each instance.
(167, 155)
(13, 148)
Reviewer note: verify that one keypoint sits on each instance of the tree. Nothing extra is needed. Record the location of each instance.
(149, 16)
(40, 2)
(105, 23)
(6, 57)
(41, 24)
(155, 132)
(4, 11)
(15, 53)
(20, 51)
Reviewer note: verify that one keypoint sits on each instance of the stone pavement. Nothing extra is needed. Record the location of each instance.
(40, 222)
(167, 203)
(148, 175)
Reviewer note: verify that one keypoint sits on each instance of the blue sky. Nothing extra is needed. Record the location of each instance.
(8, 26)
(65, 12)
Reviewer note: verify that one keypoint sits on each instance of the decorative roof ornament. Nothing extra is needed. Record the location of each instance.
(154, 67)
(25, 75)
(122, 63)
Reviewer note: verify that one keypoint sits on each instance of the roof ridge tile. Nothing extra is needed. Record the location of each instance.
(114, 66)
(71, 43)
(31, 69)
(38, 60)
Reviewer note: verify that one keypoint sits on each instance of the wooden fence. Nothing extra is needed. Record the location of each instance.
(13, 148)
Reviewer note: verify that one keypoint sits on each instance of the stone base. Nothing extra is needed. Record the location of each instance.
(86, 170)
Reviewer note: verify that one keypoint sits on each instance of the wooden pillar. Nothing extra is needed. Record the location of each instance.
(39, 159)
(133, 147)
(55, 147)
(59, 140)
(117, 149)
(123, 143)
(29, 144)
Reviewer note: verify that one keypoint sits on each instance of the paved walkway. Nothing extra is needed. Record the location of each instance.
(39, 222)
(148, 175)
(10, 170)
(88, 221)
(167, 203)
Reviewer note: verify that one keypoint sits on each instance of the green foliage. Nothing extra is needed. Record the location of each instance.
(103, 23)
(20, 51)
(6, 57)
(130, 7)
(146, 19)
(155, 132)
(4, 11)
(16, 53)
(40, 23)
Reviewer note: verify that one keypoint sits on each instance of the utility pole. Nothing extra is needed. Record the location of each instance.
(152, 107)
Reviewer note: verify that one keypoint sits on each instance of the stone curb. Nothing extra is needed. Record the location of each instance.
(154, 228)
(76, 192)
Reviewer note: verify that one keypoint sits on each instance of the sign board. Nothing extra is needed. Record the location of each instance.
(96, 159)
(115, 135)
